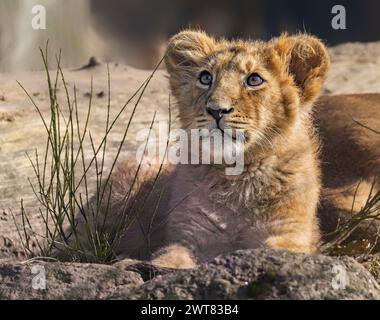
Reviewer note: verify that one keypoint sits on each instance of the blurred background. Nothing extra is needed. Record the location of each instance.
(135, 32)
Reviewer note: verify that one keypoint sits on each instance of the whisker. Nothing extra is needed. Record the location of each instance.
(236, 127)
(238, 121)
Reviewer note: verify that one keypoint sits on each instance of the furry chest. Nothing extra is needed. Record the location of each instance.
(207, 225)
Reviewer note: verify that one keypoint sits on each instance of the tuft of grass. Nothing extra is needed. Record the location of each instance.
(339, 240)
(374, 268)
(63, 172)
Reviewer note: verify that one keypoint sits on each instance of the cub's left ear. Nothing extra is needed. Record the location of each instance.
(307, 60)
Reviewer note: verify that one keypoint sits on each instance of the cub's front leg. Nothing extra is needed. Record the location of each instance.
(294, 227)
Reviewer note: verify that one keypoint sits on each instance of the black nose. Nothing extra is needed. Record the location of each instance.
(218, 113)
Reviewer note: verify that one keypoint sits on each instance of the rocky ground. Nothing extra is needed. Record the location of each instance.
(244, 274)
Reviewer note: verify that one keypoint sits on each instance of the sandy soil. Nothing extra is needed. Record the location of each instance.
(355, 69)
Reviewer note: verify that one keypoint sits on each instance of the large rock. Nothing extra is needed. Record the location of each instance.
(245, 274)
(263, 274)
(64, 281)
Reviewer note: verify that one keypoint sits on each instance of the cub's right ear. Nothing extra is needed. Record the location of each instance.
(187, 50)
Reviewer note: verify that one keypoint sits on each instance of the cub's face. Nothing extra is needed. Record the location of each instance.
(261, 88)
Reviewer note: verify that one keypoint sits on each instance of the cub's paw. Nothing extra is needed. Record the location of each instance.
(284, 243)
(174, 256)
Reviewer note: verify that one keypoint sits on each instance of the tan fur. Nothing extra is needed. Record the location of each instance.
(273, 203)
(279, 192)
(174, 256)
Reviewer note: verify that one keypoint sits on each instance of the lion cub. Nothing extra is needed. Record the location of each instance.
(266, 89)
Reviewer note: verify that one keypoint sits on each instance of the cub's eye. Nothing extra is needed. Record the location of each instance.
(254, 80)
(205, 78)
